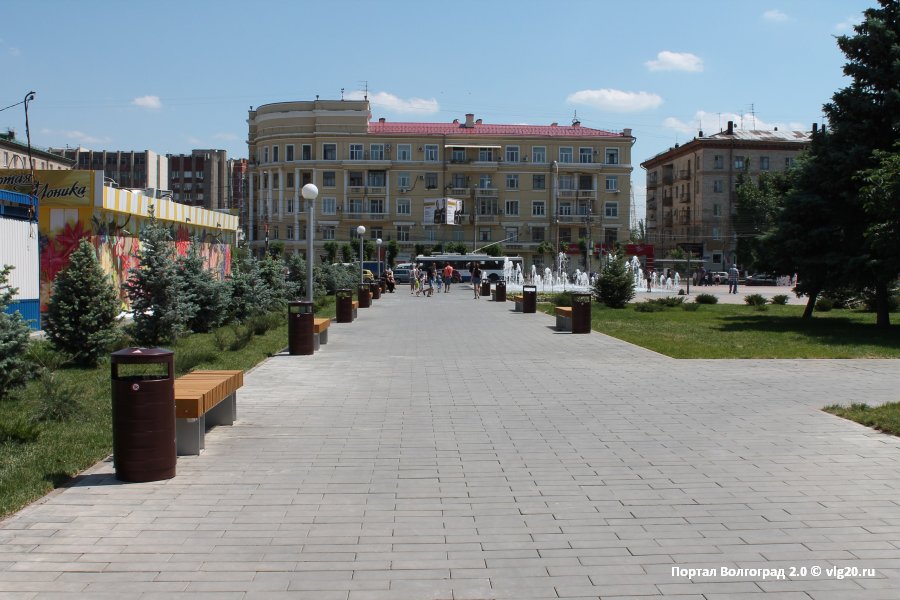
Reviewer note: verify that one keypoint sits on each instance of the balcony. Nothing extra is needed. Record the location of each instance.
(667, 221)
(652, 183)
(667, 201)
(587, 194)
(486, 193)
(462, 192)
(568, 194)
(685, 198)
(366, 190)
(366, 216)
(684, 175)
(668, 179)
(651, 204)
(488, 218)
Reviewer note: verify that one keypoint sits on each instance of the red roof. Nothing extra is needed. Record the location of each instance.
(480, 129)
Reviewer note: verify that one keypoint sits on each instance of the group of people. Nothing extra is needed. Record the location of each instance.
(424, 280)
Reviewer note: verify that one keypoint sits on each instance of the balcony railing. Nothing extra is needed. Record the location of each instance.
(462, 192)
(683, 175)
(685, 198)
(368, 216)
(566, 194)
(361, 190)
(486, 193)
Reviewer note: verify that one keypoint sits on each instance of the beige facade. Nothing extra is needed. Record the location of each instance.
(519, 184)
(14, 155)
(691, 188)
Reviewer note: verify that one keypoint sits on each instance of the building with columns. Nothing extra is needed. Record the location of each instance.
(520, 185)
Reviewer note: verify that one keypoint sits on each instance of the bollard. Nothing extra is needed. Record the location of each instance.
(143, 416)
(301, 340)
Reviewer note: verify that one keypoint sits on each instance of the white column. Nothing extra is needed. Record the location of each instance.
(269, 197)
(281, 183)
(297, 206)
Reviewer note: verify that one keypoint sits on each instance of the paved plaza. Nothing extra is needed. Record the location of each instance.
(447, 448)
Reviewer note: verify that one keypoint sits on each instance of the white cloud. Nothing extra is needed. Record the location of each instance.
(150, 102)
(14, 51)
(394, 104)
(846, 26)
(675, 61)
(711, 122)
(225, 136)
(78, 136)
(616, 100)
(775, 16)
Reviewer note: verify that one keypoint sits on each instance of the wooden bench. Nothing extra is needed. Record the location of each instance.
(519, 301)
(320, 332)
(204, 399)
(355, 305)
(564, 318)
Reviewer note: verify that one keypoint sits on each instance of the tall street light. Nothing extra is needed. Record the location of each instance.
(309, 193)
(556, 213)
(378, 243)
(360, 231)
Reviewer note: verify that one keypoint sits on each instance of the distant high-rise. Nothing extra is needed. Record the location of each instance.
(142, 169)
(200, 178)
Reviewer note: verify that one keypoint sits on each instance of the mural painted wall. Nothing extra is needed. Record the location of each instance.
(73, 205)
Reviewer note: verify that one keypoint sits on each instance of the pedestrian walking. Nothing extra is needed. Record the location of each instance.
(448, 277)
(476, 279)
(733, 279)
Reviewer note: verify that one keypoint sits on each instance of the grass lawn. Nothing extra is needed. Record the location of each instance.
(741, 331)
(885, 418)
(37, 457)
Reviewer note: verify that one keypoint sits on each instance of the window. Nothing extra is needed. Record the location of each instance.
(431, 181)
(376, 206)
(612, 156)
(329, 206)
(566, 182)
(763, 163)
(290, 232)
(718, 161)
(404, 152)
(512, 208)
(738, 162)
(377, 178)
(458, 155)
(539, 182)
(376, 232)
(274, 153)
(610, 237)
(329, 151)
(511, 234)
(431, 152)
(289, 152)
(565, 155)
(485, 155)
(565, 209)
(718, 186)
(355, 178)
(538, 208)
(484, 234)
(403, 206)
(276, 181)
(328, 179)
(402, 233)
(290, 180)
(611, 209)
(512, 154)
(275, 235)
(512, 181)
(717, 210)
(565, 235)
(376, 151)
(612, 183)
(290, 205)
(789, 162)
(585, 155)
(539, 154)
(328, 232)
(430, 233)
(537, 234)
(459, 234)
(356, 151)
(717, 257)
(460, 180)
(266, 154)
(403, 180)
(716, 233)
(485, 181)
(306, 152)
(585, 182)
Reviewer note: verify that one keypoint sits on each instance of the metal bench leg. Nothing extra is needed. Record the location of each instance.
(222, 413)
(189, 435)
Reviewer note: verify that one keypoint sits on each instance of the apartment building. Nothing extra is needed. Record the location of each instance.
(238, 182)
(519, 185)
(141, 170)
(691, 188)
(200, 178)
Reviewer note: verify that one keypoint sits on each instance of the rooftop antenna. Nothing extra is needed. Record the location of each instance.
(342, 94)
(753, 114)
(575, 118)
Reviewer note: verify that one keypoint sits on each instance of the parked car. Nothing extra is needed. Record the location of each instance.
(401, 275)
(760, 279)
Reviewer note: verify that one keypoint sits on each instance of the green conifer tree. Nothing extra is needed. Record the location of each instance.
(203, 290)
(14, 332)
(615, 287)
(81, 314)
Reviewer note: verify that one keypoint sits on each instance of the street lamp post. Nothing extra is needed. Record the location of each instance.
(378, 243)
(360, 231)
(309, 193)
(556, 214)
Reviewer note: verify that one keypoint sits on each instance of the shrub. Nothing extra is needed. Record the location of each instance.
(780, 299)
(203, 290)
(243, 335)
(248, 294)
(649, 307)
(615, 286)
(188, 360)
(57, 399)
(755, 300)
(81, 314)
(18, 431)
(14, 332)
(334, 277)
(690, 307)
(561, 299)
(706, 299)
(824, 304)
(224, 337)
(667, 302)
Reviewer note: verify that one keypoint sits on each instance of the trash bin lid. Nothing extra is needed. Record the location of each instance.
(141, 355)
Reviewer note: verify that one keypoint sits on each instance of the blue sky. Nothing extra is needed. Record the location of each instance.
(172, 76)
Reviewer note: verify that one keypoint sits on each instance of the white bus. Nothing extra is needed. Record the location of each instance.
(491, 266)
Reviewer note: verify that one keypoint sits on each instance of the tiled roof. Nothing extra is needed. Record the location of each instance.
(761, 135)
(484, 129)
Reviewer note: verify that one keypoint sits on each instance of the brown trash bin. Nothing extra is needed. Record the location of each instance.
(301, 341)
(344, 306)
(485, 287)
(364, 295)
(529, 299)
(143, 416)
(581, 312)
(375, 288)
(500, 291)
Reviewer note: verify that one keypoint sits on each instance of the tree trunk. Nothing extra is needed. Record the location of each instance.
(882, 307)
(810, 304)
